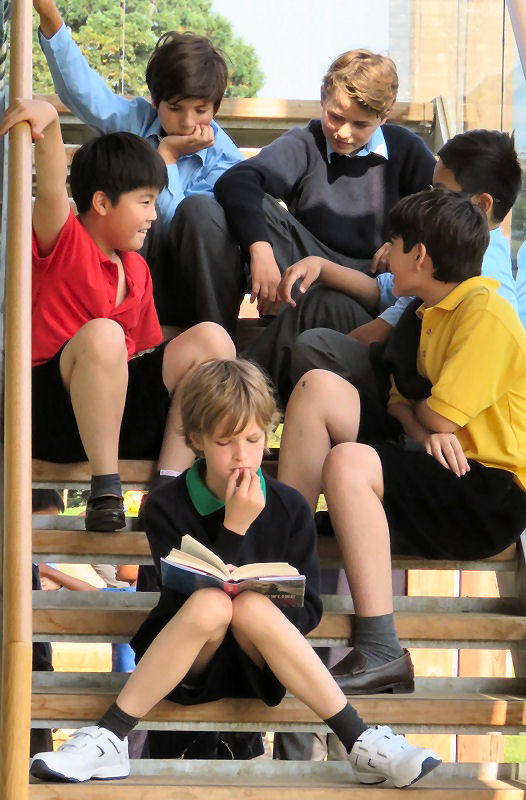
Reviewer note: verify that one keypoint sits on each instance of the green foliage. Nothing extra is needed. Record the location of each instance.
(97, 29)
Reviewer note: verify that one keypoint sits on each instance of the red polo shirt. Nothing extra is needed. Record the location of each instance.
(76, 283)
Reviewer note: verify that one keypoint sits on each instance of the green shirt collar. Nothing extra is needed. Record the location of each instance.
(204, 501)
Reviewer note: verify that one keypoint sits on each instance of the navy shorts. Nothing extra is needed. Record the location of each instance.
(430, 511)
(55, 433)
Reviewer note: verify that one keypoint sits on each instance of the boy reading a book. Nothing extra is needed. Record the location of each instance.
(208, 646)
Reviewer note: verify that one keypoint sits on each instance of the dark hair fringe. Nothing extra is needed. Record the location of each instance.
(484, 161)
(453, 230)
(115, 164)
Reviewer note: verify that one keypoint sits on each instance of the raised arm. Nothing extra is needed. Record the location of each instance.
(51, 208)
(50, 19)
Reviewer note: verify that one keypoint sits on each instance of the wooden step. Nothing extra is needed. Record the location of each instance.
(134, 474)
(423, 712)
(71, 616)
(63, 538)
(263, 779)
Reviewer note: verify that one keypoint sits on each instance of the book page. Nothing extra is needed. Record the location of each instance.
(263, 570)
(187, 560)
(194, 548)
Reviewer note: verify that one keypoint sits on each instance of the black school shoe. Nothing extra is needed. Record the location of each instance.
(105, 514)
(353, 676)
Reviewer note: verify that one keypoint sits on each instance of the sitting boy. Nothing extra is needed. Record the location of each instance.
(441, 472)
(93, 311)
(339, 177)
(207, 646)
(482, 163)
(187, 78)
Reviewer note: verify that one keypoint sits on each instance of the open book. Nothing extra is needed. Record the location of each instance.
(194, 567)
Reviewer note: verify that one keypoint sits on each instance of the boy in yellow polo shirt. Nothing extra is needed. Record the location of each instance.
(442, 471)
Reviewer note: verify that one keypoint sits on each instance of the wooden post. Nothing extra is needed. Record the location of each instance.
(17, 654)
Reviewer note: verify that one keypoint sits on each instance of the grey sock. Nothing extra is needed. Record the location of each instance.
(376, 638)
(117, 721)
(347, 726)
(103, 485)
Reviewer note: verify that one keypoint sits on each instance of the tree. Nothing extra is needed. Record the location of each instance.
(97, 28)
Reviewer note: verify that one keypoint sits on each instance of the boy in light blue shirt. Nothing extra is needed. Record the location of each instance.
(187, 78)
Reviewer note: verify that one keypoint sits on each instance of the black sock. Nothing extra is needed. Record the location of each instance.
(376, 638)
(117, 721)
(347, 726)
(104, 485)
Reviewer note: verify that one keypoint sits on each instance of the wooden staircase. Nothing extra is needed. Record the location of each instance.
(480, 706)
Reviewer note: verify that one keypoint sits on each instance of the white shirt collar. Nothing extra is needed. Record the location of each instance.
(376, 144)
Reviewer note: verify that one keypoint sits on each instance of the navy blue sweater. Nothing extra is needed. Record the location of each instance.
(284, 531)
(344, 203)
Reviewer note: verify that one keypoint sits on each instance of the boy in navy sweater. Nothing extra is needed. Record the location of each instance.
(207, 646)
(339, 177)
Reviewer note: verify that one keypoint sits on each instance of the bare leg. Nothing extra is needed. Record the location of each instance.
(94, 369)
(323, 410)
(184, 646)
(353, 486)
(266, 635)
(200, 343)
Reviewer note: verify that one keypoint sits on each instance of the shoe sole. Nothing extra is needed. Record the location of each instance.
(109, 525)
(387, 688)
(39, 769)
(427, 766)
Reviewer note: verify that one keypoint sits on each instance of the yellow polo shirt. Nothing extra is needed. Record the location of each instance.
(473, 351)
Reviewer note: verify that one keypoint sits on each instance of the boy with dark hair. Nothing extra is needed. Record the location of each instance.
(339, 177)
(187, 77)
(442, 471)
(96, 395)
(482, 163)
(207, 646)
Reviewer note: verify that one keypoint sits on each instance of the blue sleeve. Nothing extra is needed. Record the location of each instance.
(87, 95)
(497, 264)
(391, 306)
(197, 173)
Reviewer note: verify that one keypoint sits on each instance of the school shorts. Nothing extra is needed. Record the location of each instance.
(230, 673)
(55, 433)
(430, 511)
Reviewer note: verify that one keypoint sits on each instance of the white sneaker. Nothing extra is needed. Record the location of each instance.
(91, 752)
(379, 754)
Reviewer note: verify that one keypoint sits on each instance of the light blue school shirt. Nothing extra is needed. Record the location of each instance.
(497, 264)
(89, 98)
(520, 283)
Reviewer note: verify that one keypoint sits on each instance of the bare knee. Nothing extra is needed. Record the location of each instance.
(250, 614)
(211, 609)
(214, 341)
(351, 467)
(100, 340)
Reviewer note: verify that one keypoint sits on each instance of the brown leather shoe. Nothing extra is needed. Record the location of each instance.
(353, 677)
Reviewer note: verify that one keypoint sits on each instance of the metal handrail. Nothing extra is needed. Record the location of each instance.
(17, 632)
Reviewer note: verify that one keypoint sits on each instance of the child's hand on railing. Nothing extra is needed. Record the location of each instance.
(38, 113)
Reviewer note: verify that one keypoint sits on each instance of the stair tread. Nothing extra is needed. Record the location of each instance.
(199, 780)
(438, 710)
(74, 540)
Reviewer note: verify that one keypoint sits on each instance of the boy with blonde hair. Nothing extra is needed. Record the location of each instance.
(339, 177)
(202, 648)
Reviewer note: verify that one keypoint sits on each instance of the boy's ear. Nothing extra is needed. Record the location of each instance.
(484, 201)
(197, 441)
(419, 253)
(101, 203)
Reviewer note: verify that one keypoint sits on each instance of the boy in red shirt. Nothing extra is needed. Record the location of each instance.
(93, 314)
